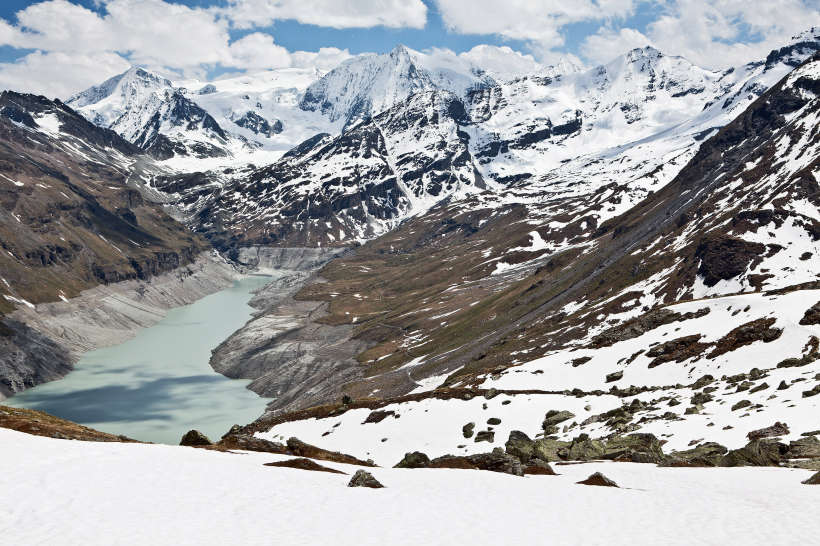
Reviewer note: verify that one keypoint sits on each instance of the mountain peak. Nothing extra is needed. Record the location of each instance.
(643, 53)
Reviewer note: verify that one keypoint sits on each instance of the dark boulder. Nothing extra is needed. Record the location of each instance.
(520, 445)
(304, 464)
(763, 452)
(599, 480)
(416, 459)
(364, 479)
(706, 454)
(468, 429)
(637, 448)
(194, 438)
(777, 429)
(485, 436)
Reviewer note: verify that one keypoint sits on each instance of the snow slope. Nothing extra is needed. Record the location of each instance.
(67, 492)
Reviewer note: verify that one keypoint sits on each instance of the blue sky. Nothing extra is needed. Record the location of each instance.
(58, 46)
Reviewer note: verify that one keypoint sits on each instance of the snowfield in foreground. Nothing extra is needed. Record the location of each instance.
(69, 492)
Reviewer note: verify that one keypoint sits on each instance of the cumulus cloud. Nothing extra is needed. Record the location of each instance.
(76, 47)
(257, 51)
(537, 21)
(327, 58)
(59, 75)
(711, 33)
(607, 43)
(501, 62)
(328, 13)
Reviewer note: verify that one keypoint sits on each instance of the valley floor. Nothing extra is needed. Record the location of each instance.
(71, 492)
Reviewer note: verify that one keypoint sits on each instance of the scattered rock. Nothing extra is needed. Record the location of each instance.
(599, 480)
(805, 448)
(553, 418)
(583, 448)
(377, 416)
(493, 421)
(745, 334)
(520, 445)
(812, 315)
(194, 438)
(301, 449)
(364, 479)
(467, 430)
(640, 325)
(777, 429)
(304, 464)
(783, 386)
(762, 452)
(495, 461)
(637, 448)
(614, 376)
(485, 436)
(742, 404)
(416, 459)
(676, 350)
(706, 454)
(813, 392)
(539, 467)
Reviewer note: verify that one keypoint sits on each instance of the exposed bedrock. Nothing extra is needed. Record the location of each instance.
(285, 350)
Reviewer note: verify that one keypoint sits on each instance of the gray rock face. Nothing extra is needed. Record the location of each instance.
(364, 479)
(28, 358)
(287, 353)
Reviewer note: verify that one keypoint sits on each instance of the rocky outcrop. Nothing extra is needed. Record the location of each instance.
(812, 315)
(777, 429)
(705, 454)
(762, 452)
(304, 464)
(416, 459)
(495, 461)
(364, 479)
(194, 438)
(598, 479)
(43, 424)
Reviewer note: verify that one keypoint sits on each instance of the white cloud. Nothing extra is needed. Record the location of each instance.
(536, 21)
(257, 51)
(711, 33)
(328, 13)
(607, 43)
(327, 58)
(501, 62)
(77, 47)
(59, 75)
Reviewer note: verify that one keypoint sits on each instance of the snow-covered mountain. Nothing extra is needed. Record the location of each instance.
(150, 112)
(603, 138)
(368, 84)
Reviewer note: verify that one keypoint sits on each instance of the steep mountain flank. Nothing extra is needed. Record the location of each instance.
(72, 216)
(463, 291)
